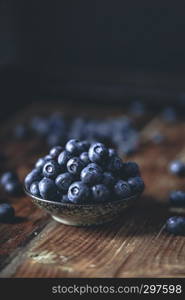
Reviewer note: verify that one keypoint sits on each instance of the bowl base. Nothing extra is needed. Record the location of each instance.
(79, 224)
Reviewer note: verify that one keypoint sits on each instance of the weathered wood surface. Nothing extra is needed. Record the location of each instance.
(135, 245)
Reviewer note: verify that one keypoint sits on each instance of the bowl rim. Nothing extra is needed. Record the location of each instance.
(81, 205)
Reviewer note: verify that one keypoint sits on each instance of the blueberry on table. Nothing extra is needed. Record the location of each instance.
(100, 193)
(75, 165)
(34, 175)
(48, 189)
(85, 158)
(78, 192)
(8, 176)
(177, 167)
(108, 179)
(34, 189)
(55, 151)
(136, 184)
(51, 169)
(98, 153)
(7, 212)
(63, 181)
(72, 146)
(130, 169)
(63, 158)
(92, 174)
(13, 187)
(177, 198)
(122, 189)
(176, 225)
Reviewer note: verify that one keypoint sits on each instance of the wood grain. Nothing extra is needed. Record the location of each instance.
(134, 245)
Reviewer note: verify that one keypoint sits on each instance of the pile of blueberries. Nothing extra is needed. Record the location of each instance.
(57, 130)
(176, 224)
(83, 172)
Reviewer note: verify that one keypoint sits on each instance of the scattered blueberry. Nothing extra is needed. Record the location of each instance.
(92, 174)
(177, 198)
(176, 225)
(7, 212)
(100, 192)
(78, 192)
(8, 176)
(177, 167)
(13, 187)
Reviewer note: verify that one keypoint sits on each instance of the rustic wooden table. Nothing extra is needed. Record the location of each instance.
(134, 245)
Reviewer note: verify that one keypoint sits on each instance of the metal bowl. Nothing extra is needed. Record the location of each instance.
(84, 214)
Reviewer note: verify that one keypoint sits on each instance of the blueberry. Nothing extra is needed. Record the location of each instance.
(169, 114)
(78, 192)
(63, 158)
(98, 153)
(21, 132)
(130, 169)
(114, 165)
(65, 199)
(75, 165)
(176, 225)
(34, 189)
(7, 212)
(48, 189)
(51, 169)
(40, 125)
(100, 193)
(63, 181)
(177, 198)
(92, 174)
(108, 179)
(13, 187)
(83, 146)
(136, 184)
(112, 152)
(122, 189)
(85, 158)
(177, 167)
(34, 175)
(8, 176)
(72, 146)
(41, 162)
(55, 151)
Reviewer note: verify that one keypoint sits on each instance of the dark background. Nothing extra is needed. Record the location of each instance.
(102, 50)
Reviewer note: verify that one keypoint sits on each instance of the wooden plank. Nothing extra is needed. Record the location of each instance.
(135, 244)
